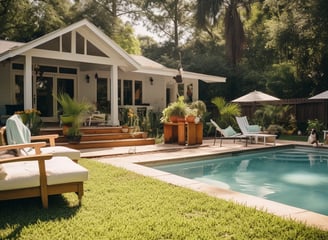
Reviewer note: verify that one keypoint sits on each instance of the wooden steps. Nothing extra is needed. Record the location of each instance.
(101, 137)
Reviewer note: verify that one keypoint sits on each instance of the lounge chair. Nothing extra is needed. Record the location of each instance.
(95, 117)
(253, 131)
(228, 133)
(17, 133)
(38, 175)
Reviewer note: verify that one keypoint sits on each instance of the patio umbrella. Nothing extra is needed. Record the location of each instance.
(256, 96)
(323, 95)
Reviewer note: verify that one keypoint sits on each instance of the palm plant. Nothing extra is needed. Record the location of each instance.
(207, 14)
(227, 111)
(74, 111)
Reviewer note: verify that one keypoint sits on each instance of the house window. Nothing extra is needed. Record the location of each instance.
(132, 92)
(79, 44)
(18, 66)
(181, 89)
(19, 89)
(127, 92)
(119, 93)
(189, 92)
(68, 70)
(138, 92)
(102, 103)
(66, 42)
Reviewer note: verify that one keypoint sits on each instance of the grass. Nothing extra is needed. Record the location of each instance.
(119, 204)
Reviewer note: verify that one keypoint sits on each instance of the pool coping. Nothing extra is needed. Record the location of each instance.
(138, 163)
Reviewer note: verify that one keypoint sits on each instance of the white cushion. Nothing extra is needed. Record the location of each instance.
(63, 170)
(3, 174)
(59, 151)
(26, 174)
(62, 151)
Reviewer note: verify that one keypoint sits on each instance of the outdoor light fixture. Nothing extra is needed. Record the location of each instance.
(151, 80)
(87, 78)
(96, 76)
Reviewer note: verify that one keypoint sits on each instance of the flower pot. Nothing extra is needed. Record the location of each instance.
(74, 139)
(190, 119)
(174, 119)
(181, 119)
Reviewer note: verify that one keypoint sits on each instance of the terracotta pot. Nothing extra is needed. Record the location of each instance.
(190, 119)
(181, 119)
(174, 119)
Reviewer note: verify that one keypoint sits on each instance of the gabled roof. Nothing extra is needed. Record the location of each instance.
(148, 66)
(136, 63)
(20, 48)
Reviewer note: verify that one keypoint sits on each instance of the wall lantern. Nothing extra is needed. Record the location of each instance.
(151, 80)
(87, 78)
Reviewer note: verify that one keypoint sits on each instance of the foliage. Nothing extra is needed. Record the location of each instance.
(31, 118)
(315, 124)
(75, 109)
(275, 129)
(133, 118)
(117, 210)
(170, 19)
(199, 106)
(177, 108)
(227, 111)
(275, 115)
(208, 13)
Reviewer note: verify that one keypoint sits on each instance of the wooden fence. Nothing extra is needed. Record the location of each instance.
(302, 108)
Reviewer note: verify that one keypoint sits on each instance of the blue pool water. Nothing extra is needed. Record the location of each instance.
(294, 176)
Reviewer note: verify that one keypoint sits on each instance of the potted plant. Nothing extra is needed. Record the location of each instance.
(199, 108)
(73, 115)
(175, 112)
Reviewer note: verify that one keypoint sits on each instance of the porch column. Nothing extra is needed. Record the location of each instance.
(114, 96)
(28, 94)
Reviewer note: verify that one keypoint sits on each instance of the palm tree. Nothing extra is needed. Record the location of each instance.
(227, 111)
(208, 13)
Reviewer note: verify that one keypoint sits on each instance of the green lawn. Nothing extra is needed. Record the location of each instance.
(119, 204)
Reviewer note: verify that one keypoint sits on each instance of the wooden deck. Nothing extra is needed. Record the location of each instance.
(101, 137)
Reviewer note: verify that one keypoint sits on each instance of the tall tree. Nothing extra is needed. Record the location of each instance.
(24, 20)
(169, 19)
(208, 13)
(106, 15)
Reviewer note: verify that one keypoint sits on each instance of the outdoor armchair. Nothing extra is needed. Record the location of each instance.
(253, 131)
(17, 133)
(227, 133)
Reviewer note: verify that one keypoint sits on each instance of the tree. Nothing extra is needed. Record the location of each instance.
(208, 13)
(105, 14)
(24, 20)
(169, 19)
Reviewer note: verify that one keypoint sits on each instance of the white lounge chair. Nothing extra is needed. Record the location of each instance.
(253, 131)
(38, 175)
(227, 133)
(17, 133)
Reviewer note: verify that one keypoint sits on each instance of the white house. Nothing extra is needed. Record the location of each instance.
(84, 62)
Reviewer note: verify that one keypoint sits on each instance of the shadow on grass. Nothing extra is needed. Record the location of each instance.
(20, 213)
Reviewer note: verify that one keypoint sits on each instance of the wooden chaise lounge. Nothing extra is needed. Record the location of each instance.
(38, 175)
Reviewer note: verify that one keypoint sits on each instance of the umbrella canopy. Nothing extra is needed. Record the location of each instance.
(256, 96)
(323, 95)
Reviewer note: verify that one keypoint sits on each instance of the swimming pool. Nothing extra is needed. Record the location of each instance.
(297, 176)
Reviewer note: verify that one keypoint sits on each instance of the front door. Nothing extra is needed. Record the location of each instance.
(44, 88)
